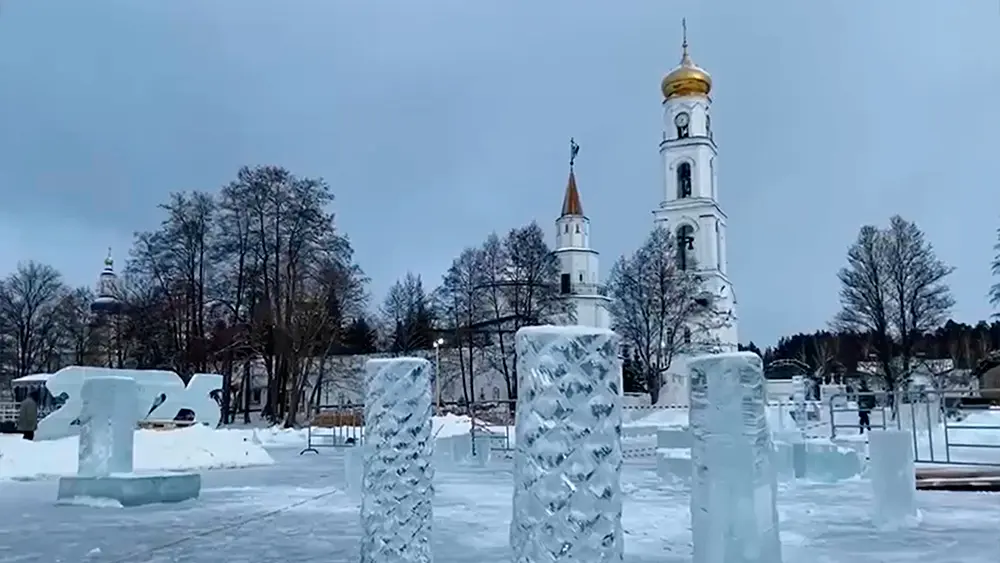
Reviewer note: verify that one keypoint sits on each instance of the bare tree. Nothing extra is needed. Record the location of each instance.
(995, 289)
(29, 298)
(406, 316)
(893, 288)
(520, 288)
(462, 306)
(661, 308)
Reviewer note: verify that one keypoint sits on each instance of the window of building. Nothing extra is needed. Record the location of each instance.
(564, 284)
(685, 247)
(683, 180)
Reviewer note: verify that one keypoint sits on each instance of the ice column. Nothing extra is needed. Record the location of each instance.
(893, 477)
(568, 457)
(397, 484)
(734, 518)
(799, 400)
(107, 425)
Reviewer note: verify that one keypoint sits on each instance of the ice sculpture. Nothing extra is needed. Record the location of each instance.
(799, 400)
(893, 477)
(734, 517)
(353, 470)
(397, 486)
(568, 454)
(157, 393)
(107, 426)
(107, 433)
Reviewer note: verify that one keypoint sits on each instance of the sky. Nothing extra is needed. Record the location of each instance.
(438, 122)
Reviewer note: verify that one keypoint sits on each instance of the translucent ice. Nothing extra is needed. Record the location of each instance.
(799, 400)
(397, 487)
(353, 470)
(893, 477)
(734, 518)
(567, 463)
(132, 490)
(107, 425)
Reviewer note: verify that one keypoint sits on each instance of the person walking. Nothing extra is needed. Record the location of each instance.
(866, 403)
(27, 416)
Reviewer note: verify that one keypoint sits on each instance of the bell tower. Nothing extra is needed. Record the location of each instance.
(689, 206)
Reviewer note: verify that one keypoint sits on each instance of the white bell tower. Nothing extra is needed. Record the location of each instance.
(689, 205)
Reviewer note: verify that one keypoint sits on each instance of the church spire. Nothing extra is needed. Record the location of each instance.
(571, 201)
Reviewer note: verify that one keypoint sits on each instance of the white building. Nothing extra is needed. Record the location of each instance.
(579, 265)
(689, 206)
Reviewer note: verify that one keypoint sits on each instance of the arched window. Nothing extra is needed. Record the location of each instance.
(687, 335)
(578, 229)
(683, 180)
(496, 393)
(685, 247)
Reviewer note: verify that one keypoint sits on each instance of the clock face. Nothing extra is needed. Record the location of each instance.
(681, 120)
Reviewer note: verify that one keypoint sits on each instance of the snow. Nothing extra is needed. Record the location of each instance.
(296, 510)
(193, 448)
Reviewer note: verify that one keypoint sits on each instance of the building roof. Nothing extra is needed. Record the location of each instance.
(571, 201)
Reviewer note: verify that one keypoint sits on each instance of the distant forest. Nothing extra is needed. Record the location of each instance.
(838, 354)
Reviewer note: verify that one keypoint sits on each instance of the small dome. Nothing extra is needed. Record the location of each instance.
(688, 78)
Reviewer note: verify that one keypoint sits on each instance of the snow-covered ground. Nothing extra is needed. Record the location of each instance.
(295, 511)
(197, 447)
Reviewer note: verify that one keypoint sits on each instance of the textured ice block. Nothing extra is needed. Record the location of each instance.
(132, 490)
(734, 518)
(893, 477)
(353, 470)
(799, 400)
(397, 486)
(567, 464)
(673, 464)
(483, 446)
(107, 425)
(673, 438)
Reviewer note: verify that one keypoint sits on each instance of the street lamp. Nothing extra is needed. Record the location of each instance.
(437, 375)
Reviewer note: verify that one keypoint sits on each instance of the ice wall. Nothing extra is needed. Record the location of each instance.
(567, 464)
(799, 400)
(107, 425)
(397, 483)
(734, 517)
(893, 477)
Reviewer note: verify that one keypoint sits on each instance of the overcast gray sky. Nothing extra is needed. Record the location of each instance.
(437, 122)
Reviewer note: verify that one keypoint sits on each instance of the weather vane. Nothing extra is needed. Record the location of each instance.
(573, 150)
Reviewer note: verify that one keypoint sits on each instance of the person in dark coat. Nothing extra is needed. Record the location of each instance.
(27, 416)
(866, 403)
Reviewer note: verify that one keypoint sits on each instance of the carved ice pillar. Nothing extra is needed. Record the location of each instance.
(397, 483)
(567, 464)
(734, 518)
(107, 425)
(893, 476)
(799, 400)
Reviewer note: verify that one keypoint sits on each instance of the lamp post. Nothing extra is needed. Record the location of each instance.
(437, 375)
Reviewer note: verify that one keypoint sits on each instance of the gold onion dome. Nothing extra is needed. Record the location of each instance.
(687, 79)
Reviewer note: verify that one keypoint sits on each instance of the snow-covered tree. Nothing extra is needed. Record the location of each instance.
(661, 309)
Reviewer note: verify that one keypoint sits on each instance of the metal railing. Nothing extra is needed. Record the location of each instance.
(934, 419)
(335, 426)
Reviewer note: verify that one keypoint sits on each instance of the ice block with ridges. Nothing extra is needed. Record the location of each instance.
(397, 484)
(567, 502)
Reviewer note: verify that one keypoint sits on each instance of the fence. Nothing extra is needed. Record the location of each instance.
(948, 427)
(335, 426)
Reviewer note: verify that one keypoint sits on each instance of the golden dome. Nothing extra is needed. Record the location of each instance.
(687, 79)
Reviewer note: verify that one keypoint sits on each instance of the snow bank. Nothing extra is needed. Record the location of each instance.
(197, 447)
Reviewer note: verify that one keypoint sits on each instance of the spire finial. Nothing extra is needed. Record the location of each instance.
(109, 262)
(685, 56)
(573, 150)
